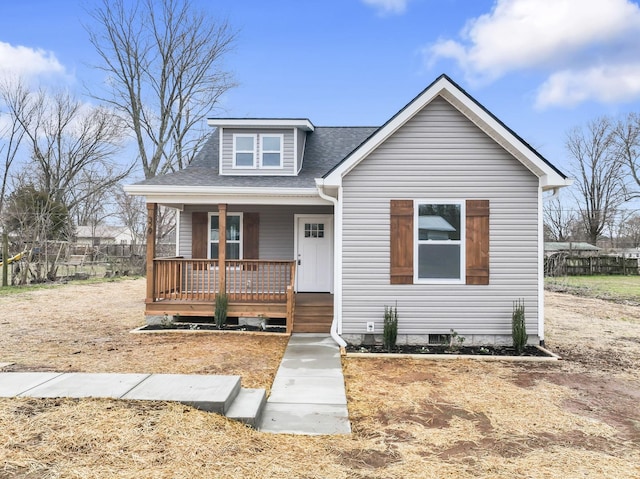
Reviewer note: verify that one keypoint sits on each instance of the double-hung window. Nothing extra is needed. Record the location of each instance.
(233, 236)
(439, 236)
(244, 151)
(271, 151)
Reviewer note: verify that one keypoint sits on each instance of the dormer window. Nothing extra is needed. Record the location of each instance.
(244, 151)
(271, 151)
(261, 147)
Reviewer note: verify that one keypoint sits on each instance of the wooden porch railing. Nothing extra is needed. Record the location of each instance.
(245, 280)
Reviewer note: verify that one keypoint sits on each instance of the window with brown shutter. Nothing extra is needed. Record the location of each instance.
(401, 247)
(477, 247)
(439, 221)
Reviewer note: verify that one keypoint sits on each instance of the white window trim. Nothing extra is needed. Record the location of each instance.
(209, 240)
(254, 152)
(416, 242)
(262, 151)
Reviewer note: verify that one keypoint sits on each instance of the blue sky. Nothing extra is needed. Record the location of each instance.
(541, 66)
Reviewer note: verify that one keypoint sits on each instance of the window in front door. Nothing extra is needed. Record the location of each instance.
(314, 230)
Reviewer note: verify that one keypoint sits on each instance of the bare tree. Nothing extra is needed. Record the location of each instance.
(93, 204)
(72, 146)
(132, 213)
(626, 135)
(14, 96)
(599, 174)
(631, 230)
(164, 74)
(557, 220)
(39, 220)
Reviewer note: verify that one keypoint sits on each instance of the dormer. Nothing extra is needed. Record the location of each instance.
(261, 146)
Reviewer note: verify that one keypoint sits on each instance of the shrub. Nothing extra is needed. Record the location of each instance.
(455, 341)
(518, 327)
(222, 304)
(390, 332)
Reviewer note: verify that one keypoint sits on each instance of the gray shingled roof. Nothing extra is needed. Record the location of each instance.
(325, 148)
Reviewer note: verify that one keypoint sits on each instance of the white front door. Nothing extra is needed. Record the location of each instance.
(314, 249)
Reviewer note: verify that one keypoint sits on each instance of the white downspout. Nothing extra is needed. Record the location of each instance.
(541, 267)
(337, 262)
(541, 200)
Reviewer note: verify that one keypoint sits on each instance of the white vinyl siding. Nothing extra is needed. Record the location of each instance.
(228, 152)
(439, 154)
(301, 142)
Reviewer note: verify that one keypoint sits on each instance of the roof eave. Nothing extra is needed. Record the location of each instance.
(301, 123)
(173, 194)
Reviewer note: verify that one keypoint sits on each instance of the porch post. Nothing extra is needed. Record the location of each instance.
(222, 247)
(152, 215)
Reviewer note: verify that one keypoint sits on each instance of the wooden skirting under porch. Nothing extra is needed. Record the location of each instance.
(313, 313)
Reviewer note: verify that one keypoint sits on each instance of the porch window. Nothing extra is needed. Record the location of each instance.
(440, 241)
(233, 236)
(271, 151)
(244, 151)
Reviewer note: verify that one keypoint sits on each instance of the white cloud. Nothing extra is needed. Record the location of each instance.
(28, 62)
(565, 38)
(608, 84)
(387, 7)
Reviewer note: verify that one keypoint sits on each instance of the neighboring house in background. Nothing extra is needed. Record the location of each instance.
(438, 211)
(571, 247)
(103, 235)
(633, 253)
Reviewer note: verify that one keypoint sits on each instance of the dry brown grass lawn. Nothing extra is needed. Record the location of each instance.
(411, 419)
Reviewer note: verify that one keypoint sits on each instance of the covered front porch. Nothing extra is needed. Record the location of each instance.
(266, 288)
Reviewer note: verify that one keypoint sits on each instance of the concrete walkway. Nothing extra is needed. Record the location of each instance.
(308, 394)
(220, 394)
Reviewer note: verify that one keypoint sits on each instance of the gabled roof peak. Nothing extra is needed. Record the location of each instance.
(446, 88)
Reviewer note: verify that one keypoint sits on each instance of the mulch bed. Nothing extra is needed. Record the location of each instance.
(210, 327)
(531, 351)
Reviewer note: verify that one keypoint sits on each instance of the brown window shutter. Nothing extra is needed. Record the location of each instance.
(250, 236)
(477, 244)
(401, 242)
(199, 234)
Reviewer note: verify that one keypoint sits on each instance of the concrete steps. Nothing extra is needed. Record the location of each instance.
(248, 406)
(220, 394)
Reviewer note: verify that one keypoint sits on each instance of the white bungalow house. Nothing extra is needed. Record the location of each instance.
(439, 211)
(97, 235)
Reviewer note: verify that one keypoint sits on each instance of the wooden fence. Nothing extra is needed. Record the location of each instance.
(561, 264)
